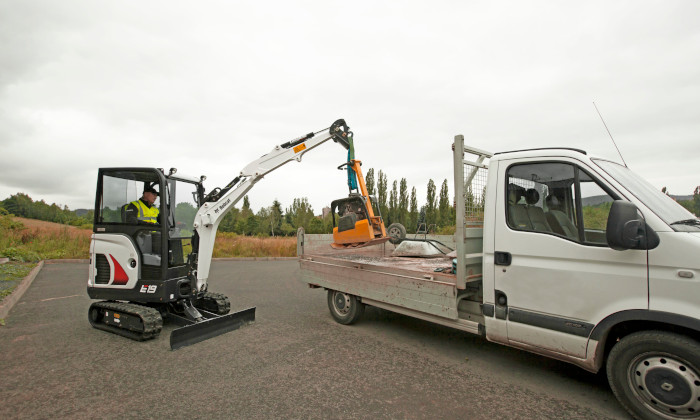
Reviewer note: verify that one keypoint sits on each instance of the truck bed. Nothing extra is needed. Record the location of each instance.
(407, 285)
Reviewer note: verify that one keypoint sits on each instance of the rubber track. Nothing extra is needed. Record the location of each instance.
(214, 302)
(150, 318)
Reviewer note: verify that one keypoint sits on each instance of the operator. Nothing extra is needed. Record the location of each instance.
(142, 210)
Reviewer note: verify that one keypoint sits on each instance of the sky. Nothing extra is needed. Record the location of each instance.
(207, 87)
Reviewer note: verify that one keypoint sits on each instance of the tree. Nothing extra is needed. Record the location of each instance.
(413, 212)
(264, 224)
(444, 207)
(315, 225)
(393, 203)
(430, 205)
(276, 218)
(228, 223)
(245, 210)
(369, 181)
(251, 225)
(382, 194)
(300, 213)
(403, 202)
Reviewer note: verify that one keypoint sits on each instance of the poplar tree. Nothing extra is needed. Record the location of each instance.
(403, 202)
(444, 207)
(369, 181)
(413, 212)
(430, 205)
(382, 194)
(393, 203)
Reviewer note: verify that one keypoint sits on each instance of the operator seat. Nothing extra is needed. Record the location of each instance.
(558, 220)
(535, 213)
(517, 213)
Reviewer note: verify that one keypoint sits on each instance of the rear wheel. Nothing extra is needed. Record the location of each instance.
(345, 309)
(656, 374)
(396, 233)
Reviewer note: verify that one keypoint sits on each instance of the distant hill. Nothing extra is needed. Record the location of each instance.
(600, 199)
(682, 197)
(595, 200)
(81, 212)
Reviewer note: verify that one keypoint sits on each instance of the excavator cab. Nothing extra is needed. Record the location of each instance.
(131, 249)
(143, 261)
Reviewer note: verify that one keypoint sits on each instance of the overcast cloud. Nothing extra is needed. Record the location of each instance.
(209, 86)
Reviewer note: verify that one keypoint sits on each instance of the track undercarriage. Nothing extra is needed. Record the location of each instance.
(200, 319)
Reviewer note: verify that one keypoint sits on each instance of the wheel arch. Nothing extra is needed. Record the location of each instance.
(621, 324)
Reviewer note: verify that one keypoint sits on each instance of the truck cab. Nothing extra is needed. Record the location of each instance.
(558, 253)
(553, 268)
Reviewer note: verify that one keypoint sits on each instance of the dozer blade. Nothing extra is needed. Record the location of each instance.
(212, 327)
(375, 241)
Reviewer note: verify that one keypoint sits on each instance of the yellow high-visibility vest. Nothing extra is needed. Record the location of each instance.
(146, 214)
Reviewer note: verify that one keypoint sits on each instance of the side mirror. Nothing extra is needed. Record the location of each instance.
(627, 229)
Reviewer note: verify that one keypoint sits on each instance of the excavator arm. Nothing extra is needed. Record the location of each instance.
(220, 201)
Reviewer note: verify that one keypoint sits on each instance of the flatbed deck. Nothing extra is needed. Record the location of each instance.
(407, 285)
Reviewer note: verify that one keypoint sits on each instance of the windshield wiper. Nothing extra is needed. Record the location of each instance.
(687, 222)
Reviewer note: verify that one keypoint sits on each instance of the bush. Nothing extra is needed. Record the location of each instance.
(20, 254)
(6, 221)
(446, 230)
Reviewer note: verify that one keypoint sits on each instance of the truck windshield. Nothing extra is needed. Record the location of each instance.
(662, 205)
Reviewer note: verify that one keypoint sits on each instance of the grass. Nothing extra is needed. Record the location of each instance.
(11, 273)
(232, 245)
(31, 240)
(25, 240)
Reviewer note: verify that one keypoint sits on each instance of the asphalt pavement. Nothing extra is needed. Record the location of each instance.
(294, 362)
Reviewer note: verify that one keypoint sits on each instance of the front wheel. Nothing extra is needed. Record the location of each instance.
(345, 309)
(656, 374)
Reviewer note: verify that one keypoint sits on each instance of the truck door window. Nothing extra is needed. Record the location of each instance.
(529, 187)
(595, 208)
(553, 198)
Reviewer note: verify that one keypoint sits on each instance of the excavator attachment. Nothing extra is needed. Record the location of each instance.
(358, 224)
(211, 325)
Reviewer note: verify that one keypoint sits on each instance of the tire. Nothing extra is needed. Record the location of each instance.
(656, 374)
(396, 233)
(346, 309)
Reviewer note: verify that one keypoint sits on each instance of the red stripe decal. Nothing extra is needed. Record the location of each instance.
(120, 276)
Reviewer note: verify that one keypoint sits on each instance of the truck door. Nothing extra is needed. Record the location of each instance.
(555, 277)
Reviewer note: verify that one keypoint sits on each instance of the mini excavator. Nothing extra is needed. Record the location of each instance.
(155, 267)
(358, 226)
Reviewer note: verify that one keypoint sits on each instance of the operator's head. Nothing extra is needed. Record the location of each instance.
(150, 195)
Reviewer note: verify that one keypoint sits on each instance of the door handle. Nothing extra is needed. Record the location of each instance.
(502, 258)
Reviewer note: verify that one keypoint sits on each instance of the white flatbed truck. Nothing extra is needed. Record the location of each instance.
(558, 253)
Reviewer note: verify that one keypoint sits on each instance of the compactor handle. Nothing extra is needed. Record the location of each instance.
(351, 163)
